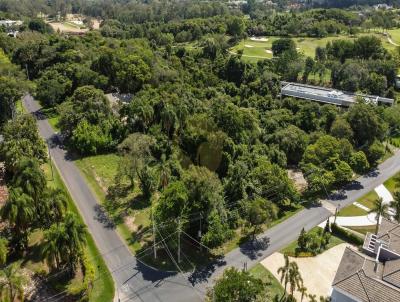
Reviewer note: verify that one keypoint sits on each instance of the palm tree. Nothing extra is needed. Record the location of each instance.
(12, 282)
(19, 211)
(381, 210)
(53, 207)
(30, 178)
(63, 242)
(395, 204)
(284, 272)
(313, 298)
(303, 290)
(53, 246)
(295, 279)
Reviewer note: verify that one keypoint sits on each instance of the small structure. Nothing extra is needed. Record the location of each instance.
(9, 23)
(375, 275)
(328, 95)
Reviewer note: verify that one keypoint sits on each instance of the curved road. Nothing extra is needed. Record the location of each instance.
(137, 282)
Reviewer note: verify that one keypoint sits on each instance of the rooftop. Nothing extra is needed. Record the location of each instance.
(328, 95)
(366, 279)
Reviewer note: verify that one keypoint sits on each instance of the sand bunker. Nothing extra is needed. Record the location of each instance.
(247, 45)
(268, 51)
(259, 39)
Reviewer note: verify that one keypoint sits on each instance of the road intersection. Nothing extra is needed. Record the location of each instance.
(137, 282)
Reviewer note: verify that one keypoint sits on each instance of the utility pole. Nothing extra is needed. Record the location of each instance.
(154, 234)
(179, 240)
(201, 216)
(51, 161)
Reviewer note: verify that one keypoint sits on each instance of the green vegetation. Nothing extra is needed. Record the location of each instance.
(363, 229)
(103, 286)
(293, 248)
(352, 210)
(274, 286)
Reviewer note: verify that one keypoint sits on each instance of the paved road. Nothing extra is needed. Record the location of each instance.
(137, 282)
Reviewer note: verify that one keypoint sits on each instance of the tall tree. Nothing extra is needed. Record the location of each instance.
(12, 282)
(19, 211)
(381, 210)
(395, 205)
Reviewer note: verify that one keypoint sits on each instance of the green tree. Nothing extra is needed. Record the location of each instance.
(359, 162)
(258, 212)
(236, 27)
(294, 276)
(303, 240)
(375, 152)
(3, 251)
(237, 286)
(30, 178)
(381, 210)
(20, 212)
(63, 242)
(12, 282)
(53, 87)
(21, 140)
(11, 91)
(366, 124)
(136, 154)
(395, 205)
(284, 271)
(282, 45)
(341, 129)
(52, 207)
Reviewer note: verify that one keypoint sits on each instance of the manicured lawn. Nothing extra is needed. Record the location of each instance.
(291, 248)
(305, 45)
(395, 34)
(363, 229)
(103, 287)
(274, 287)
(393, 183)
(368, 199)
(352, 210)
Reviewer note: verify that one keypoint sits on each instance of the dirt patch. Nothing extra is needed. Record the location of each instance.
(66, 28)
(130, 223)
(298, 178)
(317, 272)
(3, 188)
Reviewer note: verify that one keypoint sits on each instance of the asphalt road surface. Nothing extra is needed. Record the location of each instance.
(137, 282)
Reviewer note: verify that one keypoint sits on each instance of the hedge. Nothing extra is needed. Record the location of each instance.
(345, 235)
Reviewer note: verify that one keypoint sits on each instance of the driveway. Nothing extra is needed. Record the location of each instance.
(317, 272)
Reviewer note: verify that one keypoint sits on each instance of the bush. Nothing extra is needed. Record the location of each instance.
(345, 235)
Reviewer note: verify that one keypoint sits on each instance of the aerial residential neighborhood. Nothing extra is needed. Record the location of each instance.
(185, 150)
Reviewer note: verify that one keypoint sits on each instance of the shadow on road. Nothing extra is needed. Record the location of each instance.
(202, 274)
(253, 248)
(102, 217)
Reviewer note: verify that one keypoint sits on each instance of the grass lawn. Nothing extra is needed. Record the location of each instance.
(103, 287)
(363, 229)
(256, 50)
(99, 172)
(368, 199)
(352, 210)
(395, 35)
(274, 287)
(291, 248)
(392, 183)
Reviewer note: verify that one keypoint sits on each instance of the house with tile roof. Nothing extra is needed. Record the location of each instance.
(372, 275)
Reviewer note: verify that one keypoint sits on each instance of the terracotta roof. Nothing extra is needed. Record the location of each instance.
(362, 277)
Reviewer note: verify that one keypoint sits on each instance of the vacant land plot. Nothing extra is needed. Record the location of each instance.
(67, 27)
